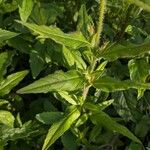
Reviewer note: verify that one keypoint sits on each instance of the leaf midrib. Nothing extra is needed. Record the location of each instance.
(3, 86)
(63, 121)
(66, 36)
(56, 82)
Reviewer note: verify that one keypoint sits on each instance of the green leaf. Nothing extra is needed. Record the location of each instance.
(3, 102)
(59, 81)
(36, 63)
(82, 119)
(6, 118)
(59, 128)
(69, 140)
(95, 133)
(20, 44)
(134, 146)
(8, 6)
(73, 40)
(85, 24)
(127, 50)
(102, 118)
(99, 106)
(139, 71)
(140, 3)
(125, 103)
(109, 84)
(5, 61)
(73, 58)
(27, 130)
(1, 146)
(11, 81)
(5, 35)
(72, 99)
(45, 13)
(49, 117)
(25, 9)
(142, 127)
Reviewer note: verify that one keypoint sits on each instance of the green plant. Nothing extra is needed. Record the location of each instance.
(89, 77)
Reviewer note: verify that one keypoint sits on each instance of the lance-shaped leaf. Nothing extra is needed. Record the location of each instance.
(11, 81)
(25, 8)
(144, 5)
(102, 118)
(109, 84)
(125, 51)
(59, 81)
(73, 40)
(5, 35)
(58, 129)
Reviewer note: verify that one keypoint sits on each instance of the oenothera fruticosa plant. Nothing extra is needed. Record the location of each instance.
(87, 63)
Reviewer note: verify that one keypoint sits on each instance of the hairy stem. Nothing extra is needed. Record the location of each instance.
(102, 7)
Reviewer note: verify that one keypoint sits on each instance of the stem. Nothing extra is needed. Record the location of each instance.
(102, 7)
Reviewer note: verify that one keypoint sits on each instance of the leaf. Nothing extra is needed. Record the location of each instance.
(82, 119)
(73, 40)
(3, 102)
(45, 13)
(139, 71)
(141, 4)
(25, 9)
(73, 58)
(59, 81)
(109, 84)
(102, 118)
(99, 106)
(8, 6)
(5, 61)
(11, 81)
(1, 146)
(59, 128)
(127, 50)
(36, 63)
(6, 35)
(49, 117)
(126, 105)
(95, 133)
(6, 118)
(69, 140)
(85, 24)
(134, 146)
(28, 129)
(20, 44)
(142, 127)
(72, 99)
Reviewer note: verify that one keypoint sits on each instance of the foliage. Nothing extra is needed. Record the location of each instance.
(74, 74)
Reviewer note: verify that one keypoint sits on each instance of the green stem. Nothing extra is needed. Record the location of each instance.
(102, 7)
